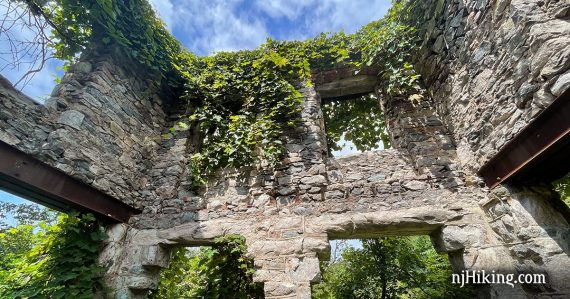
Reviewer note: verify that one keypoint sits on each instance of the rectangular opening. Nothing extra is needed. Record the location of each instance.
(218, 271)
(354, 124)
(388, 267)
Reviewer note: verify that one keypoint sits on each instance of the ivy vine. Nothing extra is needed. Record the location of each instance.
(241, 102)
(56, 261)
(359, 121)
(221, 271)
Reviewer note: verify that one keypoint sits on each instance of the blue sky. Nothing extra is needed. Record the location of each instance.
(208, 26)
(7, 197)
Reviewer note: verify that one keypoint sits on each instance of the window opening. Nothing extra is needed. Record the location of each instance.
(354, 125)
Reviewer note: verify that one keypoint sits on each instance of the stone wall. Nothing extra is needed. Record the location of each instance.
(488, 73)
(492, 66)
(289, 214)
(102, 125)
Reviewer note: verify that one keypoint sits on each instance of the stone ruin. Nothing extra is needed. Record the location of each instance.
(490, 68)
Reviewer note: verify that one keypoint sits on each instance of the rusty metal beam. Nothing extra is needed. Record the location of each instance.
(541, 151)
(34, 180)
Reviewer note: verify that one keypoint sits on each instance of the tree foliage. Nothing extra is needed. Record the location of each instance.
(390, 267)
(25, 214)
(51, 261)
(222, 271)
(358, 120)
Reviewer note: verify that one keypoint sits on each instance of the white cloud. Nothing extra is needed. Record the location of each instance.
(207, 26)
(337, 15)
(165, 10)
(334, 15)
(291, 9)
(221, 28)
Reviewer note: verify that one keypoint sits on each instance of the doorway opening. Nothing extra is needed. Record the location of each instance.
(44, 253)
(387, 267)
(223, 270)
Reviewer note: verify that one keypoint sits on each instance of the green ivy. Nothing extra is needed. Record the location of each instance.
(562, 186)
(244, 101)
(390, 44)
(222, 271)
(241, 102)
(57, 261)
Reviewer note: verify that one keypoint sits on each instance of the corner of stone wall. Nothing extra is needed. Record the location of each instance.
(492, 67)
(133, 260)
(535, 233)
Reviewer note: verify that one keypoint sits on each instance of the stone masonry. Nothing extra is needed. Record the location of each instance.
(489, 66)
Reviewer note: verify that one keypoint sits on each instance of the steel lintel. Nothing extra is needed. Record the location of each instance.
(25, 176)
(541, 151)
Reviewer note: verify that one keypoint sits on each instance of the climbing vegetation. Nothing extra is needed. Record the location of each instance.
(244, 101)
(131, 24)
(389, 267)
(562, 186)
(359, 121)
(56, 260)
(241, 102)
(221, 271)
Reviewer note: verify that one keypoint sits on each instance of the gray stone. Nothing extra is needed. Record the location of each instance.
(415, 185)
(286, 191)
(528, 88)
(71, 118)
(315, 180)
(116, 129)
(83, 67)
(562, 84)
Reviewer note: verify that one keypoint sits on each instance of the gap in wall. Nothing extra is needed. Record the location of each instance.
(387, 267)
(354, 125)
